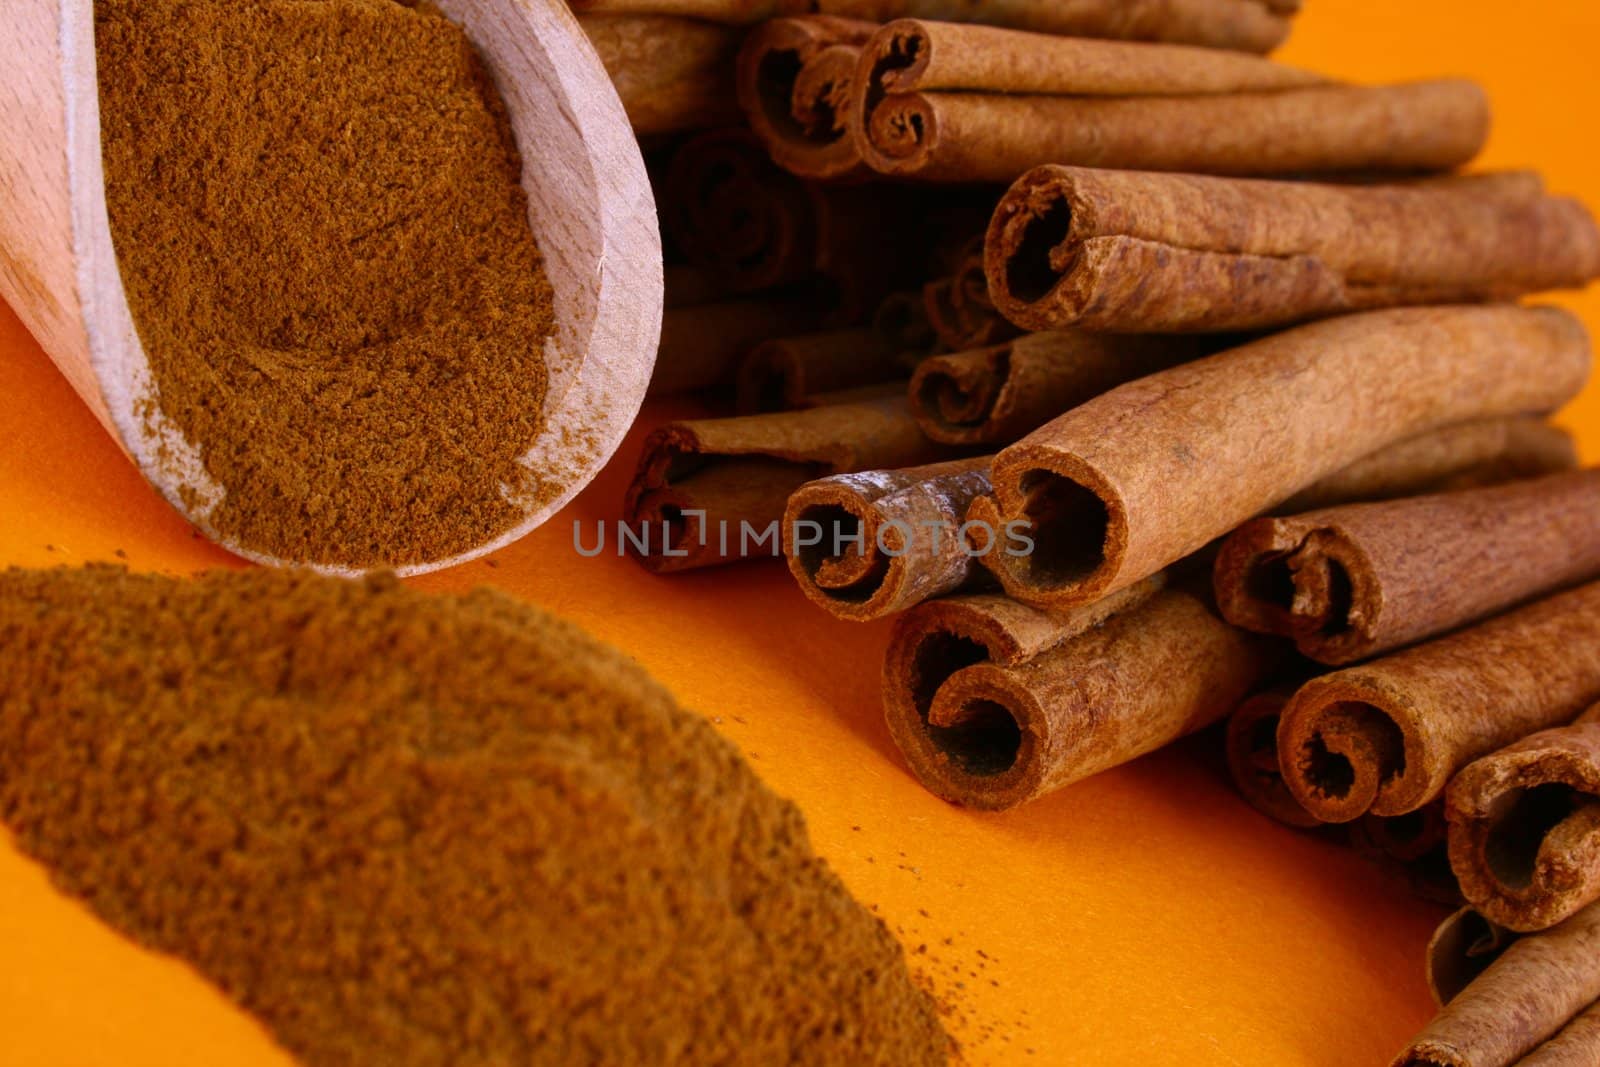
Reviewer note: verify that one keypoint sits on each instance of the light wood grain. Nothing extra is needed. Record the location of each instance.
(589, 206)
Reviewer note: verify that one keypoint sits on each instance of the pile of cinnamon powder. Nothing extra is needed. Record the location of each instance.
(317, 213)
(409, 830)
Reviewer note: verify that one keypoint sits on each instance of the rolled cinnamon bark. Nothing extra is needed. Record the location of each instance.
(795, 78)
(713, 491)
(1532, 989)
(1461, 949)
(673, 74)
(998, 107)
(997, 394)
(1466, 455)
(1242, 25)
(1576, 1044)
(1388, 735)
(1525, 827)
(958, 305)
(865, 545)
(1102, 250)
(1251, 744)
(702, 345)
(1146, 474)
(922, 569)
(789, 373)
(994, 704)
(1350, 582)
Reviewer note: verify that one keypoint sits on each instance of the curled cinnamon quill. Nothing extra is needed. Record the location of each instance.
(1106, 250)
(1388, 735)
(1146, 474)
(795, 78)
(1349, 582)
(865, 545)
(1533, 1001)
(1251, 744)
(1242, 25)
(958, 305)
(1525, 827)
(993, 703)
(997, 394)
(928, 550)
(955, 103)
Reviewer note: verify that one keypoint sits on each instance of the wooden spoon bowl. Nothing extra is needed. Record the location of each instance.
(589, 206)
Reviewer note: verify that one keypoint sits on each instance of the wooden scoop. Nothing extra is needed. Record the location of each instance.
(589, 205)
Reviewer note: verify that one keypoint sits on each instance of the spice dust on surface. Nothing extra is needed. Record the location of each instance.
(417, 830)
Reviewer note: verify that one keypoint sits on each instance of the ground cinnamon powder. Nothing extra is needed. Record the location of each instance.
(413, 830)
(317, 214)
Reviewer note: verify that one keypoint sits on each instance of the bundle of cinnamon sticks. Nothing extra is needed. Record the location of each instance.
(1149, 384)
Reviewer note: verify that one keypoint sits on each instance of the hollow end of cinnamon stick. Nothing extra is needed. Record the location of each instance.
(1029, 251)
(1251, 745)
(1525, 828)
(843, 570)
(987, 723)
(888, 131)
(980, 755)
(1078, 524)
(953, 397)
(865, 545)
(1461, 948)
(1348, 747)
(1316, 588)
(795, 86)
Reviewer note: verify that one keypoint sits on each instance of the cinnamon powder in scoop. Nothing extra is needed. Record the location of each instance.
(411, 830)
(317, 214)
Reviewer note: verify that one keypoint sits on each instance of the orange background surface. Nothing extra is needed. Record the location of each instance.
(1146, 916)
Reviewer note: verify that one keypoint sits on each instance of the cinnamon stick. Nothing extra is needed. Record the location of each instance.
(1525, 827)
(1103, 250)
(1388, 735)
(949, 102)
(958, 305)
(788, 373)
(994, 704)
(1463, 456)
(1576, 1044)
(673, 74)
(1243, 25)
(1533, 988)
(1251, 745)
(795, 78)
(1349, 582)
(1144, 475)
(712, 491)
(865, 545)
(1461, 949)
(924, 566)
(997, 394)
